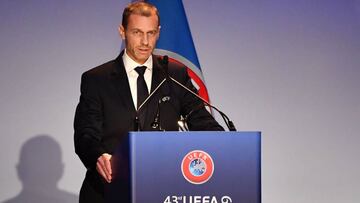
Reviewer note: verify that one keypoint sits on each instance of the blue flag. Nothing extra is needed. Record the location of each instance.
(176, 41)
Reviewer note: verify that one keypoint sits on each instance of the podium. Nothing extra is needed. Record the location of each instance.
(187, 167)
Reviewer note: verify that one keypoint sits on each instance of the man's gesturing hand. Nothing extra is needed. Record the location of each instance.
(103, 166)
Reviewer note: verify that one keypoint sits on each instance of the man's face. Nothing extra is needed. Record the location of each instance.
(140, 36)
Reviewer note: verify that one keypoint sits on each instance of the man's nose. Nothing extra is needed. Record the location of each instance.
(145, 39)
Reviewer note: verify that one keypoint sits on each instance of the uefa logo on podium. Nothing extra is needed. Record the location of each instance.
(197, 167)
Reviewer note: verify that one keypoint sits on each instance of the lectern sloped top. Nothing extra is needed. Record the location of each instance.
(188, 167)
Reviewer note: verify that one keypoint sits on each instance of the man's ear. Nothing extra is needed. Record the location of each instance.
(121, 30)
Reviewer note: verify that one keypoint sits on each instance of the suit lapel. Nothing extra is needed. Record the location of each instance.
(121, 83)
(158, 75)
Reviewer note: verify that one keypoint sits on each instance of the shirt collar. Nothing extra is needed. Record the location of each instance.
(130, 64)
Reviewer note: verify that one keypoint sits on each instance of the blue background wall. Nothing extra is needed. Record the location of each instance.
(290, 69)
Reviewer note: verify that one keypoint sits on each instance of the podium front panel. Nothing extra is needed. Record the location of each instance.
(230, 161)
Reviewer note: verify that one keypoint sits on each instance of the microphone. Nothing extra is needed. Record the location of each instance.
(182, 123)
(156, 124)
(136, 120)
(165, 63)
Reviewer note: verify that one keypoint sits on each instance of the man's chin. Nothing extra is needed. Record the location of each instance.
(143, 57)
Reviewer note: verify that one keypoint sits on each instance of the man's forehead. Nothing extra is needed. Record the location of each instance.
(145, 22)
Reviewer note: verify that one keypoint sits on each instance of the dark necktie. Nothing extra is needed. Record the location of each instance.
(142, 90)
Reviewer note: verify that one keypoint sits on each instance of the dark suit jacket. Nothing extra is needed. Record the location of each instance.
(106, 112)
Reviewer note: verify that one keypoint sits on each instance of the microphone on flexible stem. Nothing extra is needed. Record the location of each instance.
(137, 126)
(182, 122)
(165, 63)
(156, 124)
(226, 119)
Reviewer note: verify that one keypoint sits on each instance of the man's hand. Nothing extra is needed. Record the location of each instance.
(103, 166)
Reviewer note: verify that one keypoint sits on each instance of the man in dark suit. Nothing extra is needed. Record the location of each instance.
(112, 93)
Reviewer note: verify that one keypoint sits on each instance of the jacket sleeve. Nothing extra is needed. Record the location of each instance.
(88, 123)
(199, 118)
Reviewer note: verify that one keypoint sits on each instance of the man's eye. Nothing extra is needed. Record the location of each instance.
(137, 33)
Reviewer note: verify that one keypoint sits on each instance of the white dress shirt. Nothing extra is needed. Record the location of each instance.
(132, 75)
